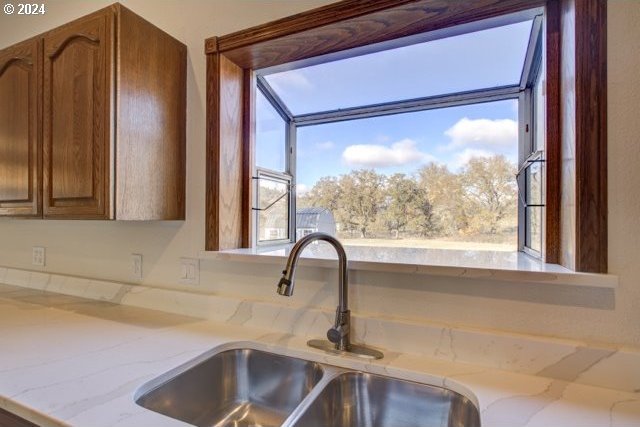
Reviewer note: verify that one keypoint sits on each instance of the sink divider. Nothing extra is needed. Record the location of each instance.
(329, 373)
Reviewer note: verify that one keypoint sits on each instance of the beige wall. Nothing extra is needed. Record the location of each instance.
(101, 249)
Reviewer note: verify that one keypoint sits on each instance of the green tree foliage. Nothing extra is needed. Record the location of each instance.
(423, 220)
(444, 191)
(326, 193)
(354, 199)
(490, 193)
(406, 205)
(480, 199)
(362, 197)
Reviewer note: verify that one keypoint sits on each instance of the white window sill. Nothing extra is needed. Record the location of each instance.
(492, 265)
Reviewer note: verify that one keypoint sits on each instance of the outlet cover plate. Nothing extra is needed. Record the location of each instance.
(39, 255)
(189, 271)
(136, 266)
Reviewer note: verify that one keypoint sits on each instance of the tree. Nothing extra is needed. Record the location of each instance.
(480, 199)
(361, 199)
(423, 221)
(490, 194)
(326, 193)
(445, 195)
(406, 204)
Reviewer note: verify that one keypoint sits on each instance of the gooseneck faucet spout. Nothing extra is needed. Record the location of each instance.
(287, 282)
(340, 333)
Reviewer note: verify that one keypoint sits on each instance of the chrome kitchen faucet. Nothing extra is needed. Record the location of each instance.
(340, 334)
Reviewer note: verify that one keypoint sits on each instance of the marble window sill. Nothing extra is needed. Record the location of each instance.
(488, 265)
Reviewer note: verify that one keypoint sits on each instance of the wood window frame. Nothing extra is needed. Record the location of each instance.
(575, 60)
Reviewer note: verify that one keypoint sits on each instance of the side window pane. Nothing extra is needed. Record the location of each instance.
(539, 113)
(273, 205)
(270, 136)
(534, 210)
(534, 228)
(534, 173)
(534, 183)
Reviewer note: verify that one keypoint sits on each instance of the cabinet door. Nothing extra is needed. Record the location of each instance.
(20, 80)
(77, 124)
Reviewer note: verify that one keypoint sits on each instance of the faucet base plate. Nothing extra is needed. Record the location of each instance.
(355, 350)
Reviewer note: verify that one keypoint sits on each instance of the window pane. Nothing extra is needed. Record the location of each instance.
(273, 216)
(270, 136)
(440, 179)
(534, 184)
(534, 228)
(483, 59)
(539, 112)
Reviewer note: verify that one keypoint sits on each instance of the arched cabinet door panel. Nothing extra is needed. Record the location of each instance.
(77, 118)
(20, 79)
(93, 121)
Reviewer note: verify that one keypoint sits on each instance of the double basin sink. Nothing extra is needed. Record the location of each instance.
(252, 388)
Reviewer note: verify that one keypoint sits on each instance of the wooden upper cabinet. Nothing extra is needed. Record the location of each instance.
(20, 79)
(77, 115)
(150, 132)
(112, 90)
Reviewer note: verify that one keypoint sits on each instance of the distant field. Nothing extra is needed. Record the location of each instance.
(431, 244)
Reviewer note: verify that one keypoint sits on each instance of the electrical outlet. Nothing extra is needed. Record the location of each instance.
(189, 271)
(136, 266)
(38, 256)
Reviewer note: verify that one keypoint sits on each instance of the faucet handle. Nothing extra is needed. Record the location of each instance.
(336, 334)
(339, 334)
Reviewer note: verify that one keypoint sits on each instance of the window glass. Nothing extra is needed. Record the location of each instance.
(539, 113)
(534, 228)
(270, 136)
(478, 60)
(534, 183)
(443, 178)
(437, 179)
(534, 173)
(534, 212)
(273, 208)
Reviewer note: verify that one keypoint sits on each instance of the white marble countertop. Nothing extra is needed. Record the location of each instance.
(494, 265)
(71, 361)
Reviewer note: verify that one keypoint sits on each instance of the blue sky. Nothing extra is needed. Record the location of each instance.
(402, 142)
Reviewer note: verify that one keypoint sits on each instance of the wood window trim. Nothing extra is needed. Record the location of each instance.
(591, 136)
(332, 30)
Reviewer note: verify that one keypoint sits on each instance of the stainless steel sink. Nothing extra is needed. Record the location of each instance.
(356, 399)
(235, 388)
(253, 388)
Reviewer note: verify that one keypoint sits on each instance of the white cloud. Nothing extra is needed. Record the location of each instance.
(400, 153)
(483, 133)
(326, 145)
(463, 157)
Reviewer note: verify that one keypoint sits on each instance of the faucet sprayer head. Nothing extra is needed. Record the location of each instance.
(285, 286)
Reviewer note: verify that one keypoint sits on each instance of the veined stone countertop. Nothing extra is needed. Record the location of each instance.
(66, 360)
